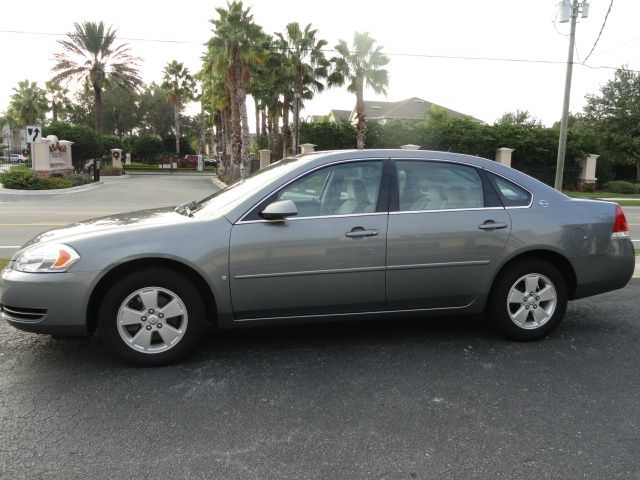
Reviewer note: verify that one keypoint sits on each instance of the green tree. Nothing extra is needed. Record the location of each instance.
(614, 115)
(58, 98)
(90, 55)
(178, 86)
(519, 117)
(232, 49)
(121, 113)
(309, 67)
(155, 115)
(28, 104)
(361, 67)
(87, 144)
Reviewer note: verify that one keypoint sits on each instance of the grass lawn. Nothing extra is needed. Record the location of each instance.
(576, 194)
(630, 200)
(3, 262)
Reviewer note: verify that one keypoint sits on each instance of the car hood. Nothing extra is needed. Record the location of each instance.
(123, 221)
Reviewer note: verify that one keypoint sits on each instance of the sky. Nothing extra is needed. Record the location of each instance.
(411, 33)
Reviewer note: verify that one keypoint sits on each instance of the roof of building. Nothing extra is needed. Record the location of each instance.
(339, 115)
(410, 109)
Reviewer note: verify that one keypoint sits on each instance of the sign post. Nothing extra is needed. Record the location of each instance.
(200, 162)
(33, 135)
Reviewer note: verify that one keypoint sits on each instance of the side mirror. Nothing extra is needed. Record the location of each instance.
(279, 210)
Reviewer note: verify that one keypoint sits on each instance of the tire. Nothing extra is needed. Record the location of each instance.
(151, 317)
(517, 314)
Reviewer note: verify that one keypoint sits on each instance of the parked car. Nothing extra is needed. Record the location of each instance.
(192, 161)
(16, 158)
(330, 235)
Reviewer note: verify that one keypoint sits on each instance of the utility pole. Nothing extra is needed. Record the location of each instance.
(562, 142)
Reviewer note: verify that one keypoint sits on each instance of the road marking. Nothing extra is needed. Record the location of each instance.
(9, 246)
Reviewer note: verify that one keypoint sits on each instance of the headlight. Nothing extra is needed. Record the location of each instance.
(46, 258)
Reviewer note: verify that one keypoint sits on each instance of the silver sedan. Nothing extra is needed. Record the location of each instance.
(330, 235)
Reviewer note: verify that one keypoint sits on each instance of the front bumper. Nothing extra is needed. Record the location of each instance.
(49, 303)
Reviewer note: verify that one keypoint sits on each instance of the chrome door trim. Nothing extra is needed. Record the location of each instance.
(440, 264)
(291, 219)
(310, 272)
(337, 162)
(399, 212)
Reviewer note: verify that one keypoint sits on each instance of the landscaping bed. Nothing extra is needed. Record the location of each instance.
(22, 179)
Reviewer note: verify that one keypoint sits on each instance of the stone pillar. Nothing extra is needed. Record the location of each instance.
(265, 158)
(503, 156)
(588, 168)
(40, 156)
(116, 157)
(410, 146)
(66, 153)
(307, 148)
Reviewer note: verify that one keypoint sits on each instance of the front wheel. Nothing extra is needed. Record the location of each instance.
(152, 317)
(528, 300)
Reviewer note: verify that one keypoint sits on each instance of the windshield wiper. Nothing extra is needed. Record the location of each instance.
(185, 208)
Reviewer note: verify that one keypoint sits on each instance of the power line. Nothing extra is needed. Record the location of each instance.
(331, 50)
(601, 29)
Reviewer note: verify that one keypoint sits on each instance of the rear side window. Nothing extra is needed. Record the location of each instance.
(511, 194)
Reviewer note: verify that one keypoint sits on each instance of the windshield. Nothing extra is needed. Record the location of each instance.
(234, 194)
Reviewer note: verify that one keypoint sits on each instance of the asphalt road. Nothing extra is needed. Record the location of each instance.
(24, 216)
(417, 399)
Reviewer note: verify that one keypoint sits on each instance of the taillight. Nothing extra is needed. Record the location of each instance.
(620, 226)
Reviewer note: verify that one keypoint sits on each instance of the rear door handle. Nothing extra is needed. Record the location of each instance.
(361, 232)
(491, 225)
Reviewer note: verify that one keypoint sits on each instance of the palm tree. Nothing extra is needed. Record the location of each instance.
(28, 104)
(89, 55)
(178, 86)
(233, 49)
(309, 66)
(58, 98)
(217, 97)
(360, 67)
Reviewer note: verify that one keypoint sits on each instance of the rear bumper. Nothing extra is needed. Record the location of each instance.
(53, 303)
(604, 273)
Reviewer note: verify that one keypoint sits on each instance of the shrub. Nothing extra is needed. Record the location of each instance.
(24, 180)
(621, 186)
(588, 187)
(110, 171)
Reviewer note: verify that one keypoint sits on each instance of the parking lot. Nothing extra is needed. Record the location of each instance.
(441, 398)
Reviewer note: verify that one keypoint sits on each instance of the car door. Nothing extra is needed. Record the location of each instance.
(447, 229)
(329, 259)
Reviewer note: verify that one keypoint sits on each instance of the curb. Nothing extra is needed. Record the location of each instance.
(113, 177)
(218, 183)
(58, 191)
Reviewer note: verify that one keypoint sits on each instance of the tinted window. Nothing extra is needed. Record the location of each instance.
(336, 190)
(438, 186)
(511, 194)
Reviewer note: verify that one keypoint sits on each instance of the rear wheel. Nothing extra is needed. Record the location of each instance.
(528, 300)
(152, 317)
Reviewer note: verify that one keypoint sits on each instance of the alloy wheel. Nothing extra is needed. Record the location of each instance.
(152, 320)
(532, 301)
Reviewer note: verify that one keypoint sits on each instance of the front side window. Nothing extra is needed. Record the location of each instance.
(342, 189)
(437, 186)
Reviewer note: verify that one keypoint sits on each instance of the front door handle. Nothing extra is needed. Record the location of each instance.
(491, 225)
(358, 232)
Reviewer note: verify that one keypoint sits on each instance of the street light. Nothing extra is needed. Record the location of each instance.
(567, 12)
